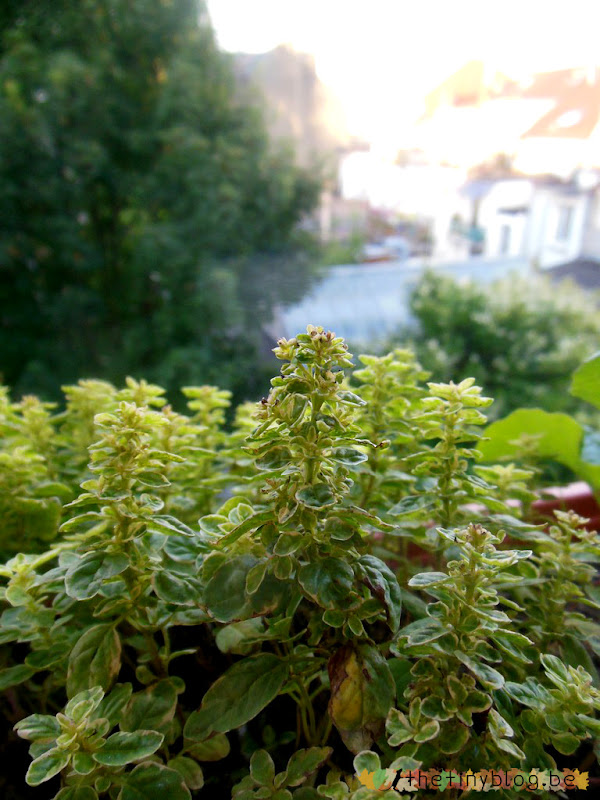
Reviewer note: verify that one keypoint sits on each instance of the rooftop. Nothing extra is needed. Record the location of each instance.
(575, 115)
(366, 303)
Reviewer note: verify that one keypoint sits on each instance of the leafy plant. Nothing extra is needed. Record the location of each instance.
(564, 560)
(536, 434)
(519, 338)
(464, 628)
(390, 387)
(288, 643)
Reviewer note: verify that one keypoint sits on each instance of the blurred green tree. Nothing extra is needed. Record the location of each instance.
(520, 338)
(145, 218)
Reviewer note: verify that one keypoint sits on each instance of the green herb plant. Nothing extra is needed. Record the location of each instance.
(296, 606)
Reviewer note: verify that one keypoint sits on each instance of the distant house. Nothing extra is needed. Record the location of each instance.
(548, 124)
(498, 211)
(546, 220)
(584, 269)
(557, 222)
(567, 137)
(591, 233)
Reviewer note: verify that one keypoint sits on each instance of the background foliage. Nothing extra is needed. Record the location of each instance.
(519, 338)
(145, 219)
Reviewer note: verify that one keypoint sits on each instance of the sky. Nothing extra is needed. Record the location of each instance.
(380, 57)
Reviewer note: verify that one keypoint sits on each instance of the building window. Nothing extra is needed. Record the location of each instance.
(565, 219)
(504, 240)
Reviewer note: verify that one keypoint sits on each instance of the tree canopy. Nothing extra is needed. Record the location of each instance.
(145, 218)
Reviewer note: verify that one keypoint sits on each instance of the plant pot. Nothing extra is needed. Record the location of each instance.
(576, 497)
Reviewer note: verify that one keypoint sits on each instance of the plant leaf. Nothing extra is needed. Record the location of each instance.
(47, 766)
(327, 581)
(38, 728)
(189, 770)
(151, 781)
(225, 592)
(348, 456)
(95, 660)
(585, 382)
(303, 762)
(11, 676)
(316, 496)
(240, 694)
(123, 748)
(85, 579)
(154, 708)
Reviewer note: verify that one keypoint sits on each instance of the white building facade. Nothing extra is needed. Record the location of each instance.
(543, 220)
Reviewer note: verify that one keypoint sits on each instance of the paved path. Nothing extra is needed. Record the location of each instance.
(367, 302)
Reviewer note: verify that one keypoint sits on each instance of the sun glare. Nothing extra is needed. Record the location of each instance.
(382, 57)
